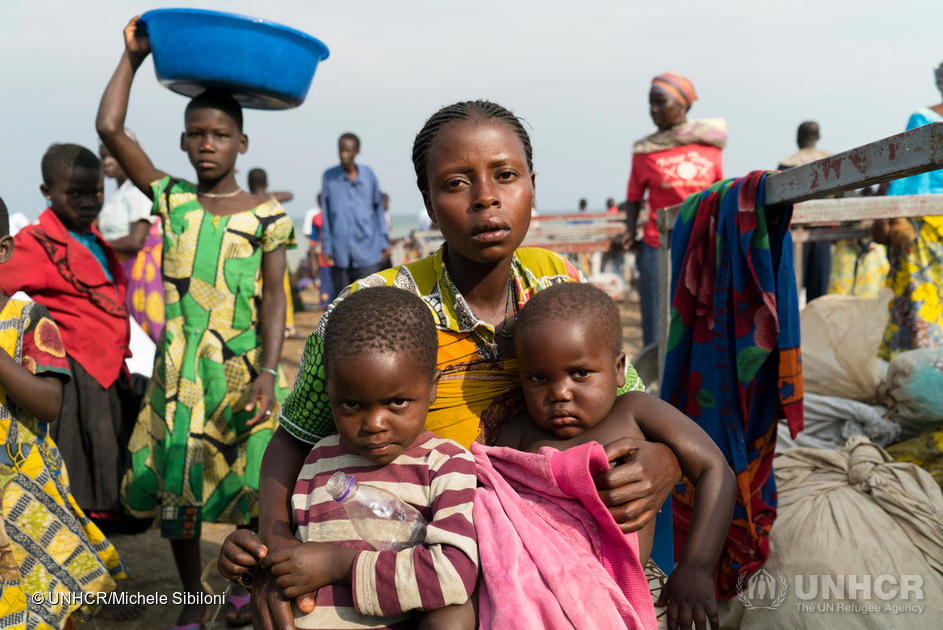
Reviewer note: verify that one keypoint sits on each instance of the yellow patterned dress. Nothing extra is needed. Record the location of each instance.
(48, 547)
(916, 277)
(859, 268)
(192, 456)
(917, 322)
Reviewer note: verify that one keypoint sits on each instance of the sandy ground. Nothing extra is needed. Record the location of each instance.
(147, 556)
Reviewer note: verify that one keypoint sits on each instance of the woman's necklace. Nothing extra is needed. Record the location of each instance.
(220, 195)
(504, 332)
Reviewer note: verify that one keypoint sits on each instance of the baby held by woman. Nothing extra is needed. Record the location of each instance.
(569, 346)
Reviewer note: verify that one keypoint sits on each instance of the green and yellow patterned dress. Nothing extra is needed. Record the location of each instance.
(192, 455)
(916, 275)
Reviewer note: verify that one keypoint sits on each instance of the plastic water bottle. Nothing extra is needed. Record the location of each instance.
(381, 519)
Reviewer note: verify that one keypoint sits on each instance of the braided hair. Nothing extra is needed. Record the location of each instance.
(465, 110)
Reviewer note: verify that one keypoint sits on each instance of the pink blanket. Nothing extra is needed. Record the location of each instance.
(551, 554)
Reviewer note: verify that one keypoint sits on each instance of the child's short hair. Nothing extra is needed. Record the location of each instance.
(4, 219)
(257, 178)
(381, 320)
(216, 99)
(63, 158)
(465, 110)
(575, 301)
(350, 136)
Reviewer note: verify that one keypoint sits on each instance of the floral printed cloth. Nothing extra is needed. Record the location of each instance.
(859, 268)
(733, 362)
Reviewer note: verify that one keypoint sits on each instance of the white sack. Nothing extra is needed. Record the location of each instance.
(840, 339)
(842, 512)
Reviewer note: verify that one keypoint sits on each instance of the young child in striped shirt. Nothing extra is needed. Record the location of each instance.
(380, 350)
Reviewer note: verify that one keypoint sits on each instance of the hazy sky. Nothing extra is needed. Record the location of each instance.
(578, 72)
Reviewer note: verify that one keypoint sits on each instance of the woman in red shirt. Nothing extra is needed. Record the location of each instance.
(678, 160)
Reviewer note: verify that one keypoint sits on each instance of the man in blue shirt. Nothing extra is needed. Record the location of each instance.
(354, 234)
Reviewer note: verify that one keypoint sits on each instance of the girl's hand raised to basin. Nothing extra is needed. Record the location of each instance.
(136, 41)
(642, 476)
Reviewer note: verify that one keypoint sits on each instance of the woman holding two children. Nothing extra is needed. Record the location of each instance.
(474, 169)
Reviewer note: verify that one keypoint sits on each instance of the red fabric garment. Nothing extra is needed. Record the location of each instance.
(42, 347)
(670, 176)
(317, 224)
(64, 276)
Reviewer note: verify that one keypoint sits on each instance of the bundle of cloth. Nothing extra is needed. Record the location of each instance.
(842, 374)
(551, 554)
(733, 362)
(841, 335)
(913, 389)
(831, 420)
(850, 391)
(858, 542)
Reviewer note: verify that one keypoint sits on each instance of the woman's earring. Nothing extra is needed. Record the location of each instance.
(48, 202)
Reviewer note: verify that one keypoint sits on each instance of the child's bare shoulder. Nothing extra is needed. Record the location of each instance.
(621, 421)
(514, 433)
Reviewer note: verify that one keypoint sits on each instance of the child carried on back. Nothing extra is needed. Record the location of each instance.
(380, 356)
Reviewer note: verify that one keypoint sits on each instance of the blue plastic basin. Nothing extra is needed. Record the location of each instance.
(264, 65)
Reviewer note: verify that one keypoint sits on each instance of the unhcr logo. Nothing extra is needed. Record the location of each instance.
(762, 590)
(841, 593)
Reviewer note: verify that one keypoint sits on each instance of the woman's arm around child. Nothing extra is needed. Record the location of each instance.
(689, 593)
